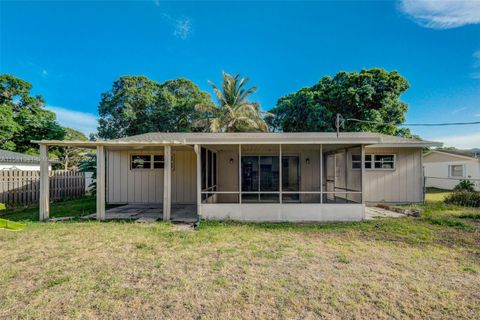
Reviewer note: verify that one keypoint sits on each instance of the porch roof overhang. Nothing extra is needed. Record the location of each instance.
(192, 138)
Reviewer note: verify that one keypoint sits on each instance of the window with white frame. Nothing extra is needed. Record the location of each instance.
(147, 161)
(374, 161)
(456, 170)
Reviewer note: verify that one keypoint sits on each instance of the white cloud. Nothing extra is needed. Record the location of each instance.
(476, 65)
(466, 141)
(476, 57)
(459, 110)
(442, 14)
(81, 121)
(182, 26)
(44, 73)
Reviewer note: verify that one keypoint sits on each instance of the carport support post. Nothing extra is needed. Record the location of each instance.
(167, 183)
(198, 152)
(44, 184)
(363, 179)
(100, 183)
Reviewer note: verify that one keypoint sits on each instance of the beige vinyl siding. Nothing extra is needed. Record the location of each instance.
(146, 185)
(184, 177)
(227, 179)
(401, 185)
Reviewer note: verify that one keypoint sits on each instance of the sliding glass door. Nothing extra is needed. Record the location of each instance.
(290, 178)
(260, 179)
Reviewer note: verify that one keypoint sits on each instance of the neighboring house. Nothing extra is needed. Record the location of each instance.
(254, 176)
(445, 168)
(18, 161)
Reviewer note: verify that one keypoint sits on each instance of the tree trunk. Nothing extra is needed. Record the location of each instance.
(65, 162)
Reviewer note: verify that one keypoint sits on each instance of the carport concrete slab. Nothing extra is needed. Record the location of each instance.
(372, 213)
(186, 213)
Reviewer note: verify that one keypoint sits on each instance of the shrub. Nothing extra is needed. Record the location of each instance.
(467, 199)
(465, 185)
(2, 206)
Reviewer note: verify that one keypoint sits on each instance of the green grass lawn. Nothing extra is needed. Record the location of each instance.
(427, 267)
(436, 195)
(70, 208)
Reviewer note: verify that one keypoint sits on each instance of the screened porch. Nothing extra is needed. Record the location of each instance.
(281, 174)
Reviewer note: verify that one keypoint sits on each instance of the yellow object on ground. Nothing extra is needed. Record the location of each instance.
(10, 225)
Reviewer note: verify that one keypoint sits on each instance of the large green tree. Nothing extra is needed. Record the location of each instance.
(71, 157)
(136, 105)
(23, 118)
(370, 95)
(234, 112)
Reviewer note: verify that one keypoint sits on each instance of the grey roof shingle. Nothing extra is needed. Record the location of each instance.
(10, 156)
(190, 138)
(473, 153)
(201, 137)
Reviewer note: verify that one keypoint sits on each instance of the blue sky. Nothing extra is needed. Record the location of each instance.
(72, 51)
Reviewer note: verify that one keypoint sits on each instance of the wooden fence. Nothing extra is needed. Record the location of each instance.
(23, 187)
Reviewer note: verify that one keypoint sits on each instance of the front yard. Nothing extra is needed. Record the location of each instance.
(427, 267)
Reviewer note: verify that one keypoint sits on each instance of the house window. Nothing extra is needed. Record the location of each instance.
(159, 161)
(147, 161)
(456, 170)
(384, 161)
(374, 161)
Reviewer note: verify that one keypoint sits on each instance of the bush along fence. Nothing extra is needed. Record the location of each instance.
(464, 198)
(18, 187)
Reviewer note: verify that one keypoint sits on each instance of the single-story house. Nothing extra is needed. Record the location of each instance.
(254, 176)
(444, 168)
(10, 160)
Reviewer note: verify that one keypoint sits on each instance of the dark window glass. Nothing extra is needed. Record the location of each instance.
(269, 174)
(158, 161)
(290, 173)
(356, 157)
(290, 197)
(214, 169)
(250, 174)
(383, 158)
(210, 173)
(260, 173)
(159, 165)
(203, 157)
(159, 157)
(249, 197)
(268, 197)
(141, 161)
(356, 165)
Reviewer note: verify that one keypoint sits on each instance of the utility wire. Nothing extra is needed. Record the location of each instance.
(417, 124)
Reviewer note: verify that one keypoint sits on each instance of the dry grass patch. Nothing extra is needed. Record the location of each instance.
(392, 268)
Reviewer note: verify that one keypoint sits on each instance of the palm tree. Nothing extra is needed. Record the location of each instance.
(234, 113)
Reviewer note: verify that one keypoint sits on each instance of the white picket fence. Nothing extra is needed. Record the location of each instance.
(23, 187)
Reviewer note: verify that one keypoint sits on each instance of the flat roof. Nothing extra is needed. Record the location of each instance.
(191, 138)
